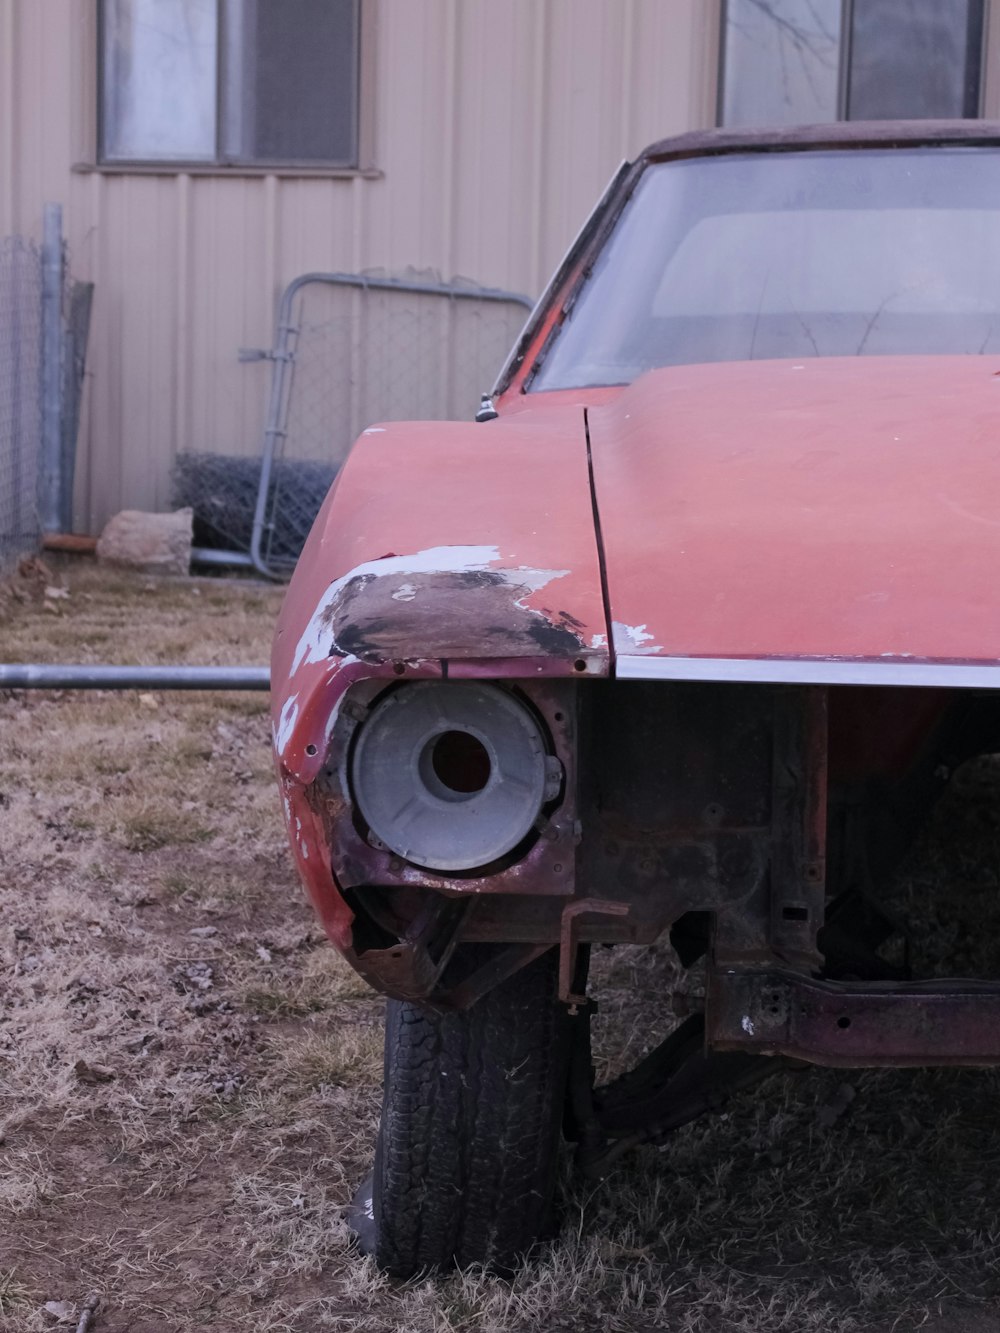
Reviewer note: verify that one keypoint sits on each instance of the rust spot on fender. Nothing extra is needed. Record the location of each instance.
(454, 613)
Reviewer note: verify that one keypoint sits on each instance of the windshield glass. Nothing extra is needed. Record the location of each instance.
(760, 255)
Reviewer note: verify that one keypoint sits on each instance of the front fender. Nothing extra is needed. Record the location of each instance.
(442, 550)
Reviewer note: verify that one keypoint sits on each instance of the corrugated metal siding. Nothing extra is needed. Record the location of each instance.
(495, 127)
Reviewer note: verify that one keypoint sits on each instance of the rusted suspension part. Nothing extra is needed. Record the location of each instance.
(675, 1084)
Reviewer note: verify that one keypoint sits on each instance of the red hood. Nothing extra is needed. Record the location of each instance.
(830, 509)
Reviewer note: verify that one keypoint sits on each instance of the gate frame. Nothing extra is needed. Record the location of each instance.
(282, 378)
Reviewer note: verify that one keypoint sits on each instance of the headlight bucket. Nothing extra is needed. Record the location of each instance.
(452, 776)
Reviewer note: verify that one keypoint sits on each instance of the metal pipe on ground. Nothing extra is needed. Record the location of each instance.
(39, 676)
(205, 555)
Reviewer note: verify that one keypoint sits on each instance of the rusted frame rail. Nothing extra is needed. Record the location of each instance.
(854, 1024)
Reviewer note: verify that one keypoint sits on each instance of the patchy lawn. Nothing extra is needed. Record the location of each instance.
(189, 1076)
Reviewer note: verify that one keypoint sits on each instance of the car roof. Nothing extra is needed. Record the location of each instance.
(838, 134)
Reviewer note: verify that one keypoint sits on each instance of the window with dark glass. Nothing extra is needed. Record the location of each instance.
(806, 61)
(230, 82)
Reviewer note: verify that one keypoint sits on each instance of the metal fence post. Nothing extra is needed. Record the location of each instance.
(74, 359)
(52, 371)
(20, 398)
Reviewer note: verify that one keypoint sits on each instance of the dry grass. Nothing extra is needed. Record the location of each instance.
(189, 1076)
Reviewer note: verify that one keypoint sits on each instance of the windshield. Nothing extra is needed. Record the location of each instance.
(740, 257)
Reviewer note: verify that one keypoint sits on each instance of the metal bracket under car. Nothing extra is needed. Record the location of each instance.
(863, 1011)
(758, 1022)
(676, 1083)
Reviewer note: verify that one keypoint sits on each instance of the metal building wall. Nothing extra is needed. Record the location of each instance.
(493, 125)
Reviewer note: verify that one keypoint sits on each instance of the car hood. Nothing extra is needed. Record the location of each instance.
(831, 520)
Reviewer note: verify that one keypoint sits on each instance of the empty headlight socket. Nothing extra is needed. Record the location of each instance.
(358, 857)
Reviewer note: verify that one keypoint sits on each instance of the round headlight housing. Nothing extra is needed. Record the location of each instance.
(451, 776)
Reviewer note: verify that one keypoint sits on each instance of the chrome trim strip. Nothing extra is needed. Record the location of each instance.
(810, 671)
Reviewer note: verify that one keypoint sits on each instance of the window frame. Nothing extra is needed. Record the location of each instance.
(988, 94)
(363, 165)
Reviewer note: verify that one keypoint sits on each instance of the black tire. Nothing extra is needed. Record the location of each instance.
(467, 1151)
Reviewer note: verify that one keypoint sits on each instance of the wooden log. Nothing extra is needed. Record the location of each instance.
(69, 541)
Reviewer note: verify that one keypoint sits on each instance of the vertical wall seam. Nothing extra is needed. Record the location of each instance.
(8, 64)
(93, 383)
(704, 91)
(451, 94)
(451, 149)
(271, 268)
(537, 201)
(182, 331)
(991, 62)
(626, 69)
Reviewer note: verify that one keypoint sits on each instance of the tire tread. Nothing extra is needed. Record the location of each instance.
(466, 1160)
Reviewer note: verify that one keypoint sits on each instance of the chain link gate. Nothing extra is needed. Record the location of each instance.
(350, 349)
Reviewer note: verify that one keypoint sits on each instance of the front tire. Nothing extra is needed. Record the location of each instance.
(467, 1151)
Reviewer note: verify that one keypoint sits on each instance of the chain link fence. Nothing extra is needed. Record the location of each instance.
(349, 350)
(20, 399)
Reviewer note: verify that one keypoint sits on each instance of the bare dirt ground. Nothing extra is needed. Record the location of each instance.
(189, 1076)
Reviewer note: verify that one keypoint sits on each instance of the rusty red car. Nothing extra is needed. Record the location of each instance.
(683, 637)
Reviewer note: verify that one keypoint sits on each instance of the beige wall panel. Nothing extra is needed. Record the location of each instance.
(36, 52)
(138, 372)
(229, 256)
(497, 144)
(10, 115)
(316, 228)
(674, 61)
(407, 211)
(495, 127)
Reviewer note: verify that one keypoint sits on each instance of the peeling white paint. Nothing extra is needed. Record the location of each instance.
(633, 638)
(532, 580)
(746, 1023)
(404, 593)
(286, 723)
(598, 641)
